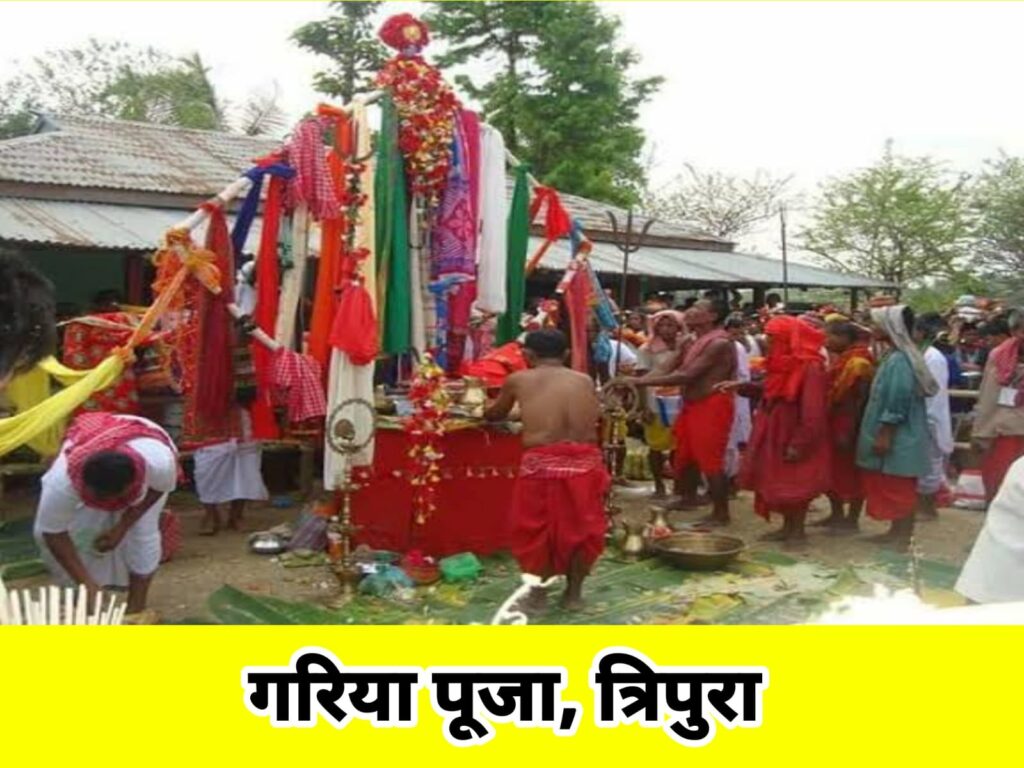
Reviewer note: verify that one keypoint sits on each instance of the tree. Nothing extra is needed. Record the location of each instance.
(901, 220)
(997, 202)
(72, 81)
(179, 93)
(262, 114)
(562, 93)
(347, 36)
(119, 81)
(718, 203)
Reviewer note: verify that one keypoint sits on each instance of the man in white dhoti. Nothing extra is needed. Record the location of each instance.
(98, 522)
(229, 473)
(742, 421)
(940, 422)
(994, 571)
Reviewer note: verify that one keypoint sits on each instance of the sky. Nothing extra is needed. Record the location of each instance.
(808, 89)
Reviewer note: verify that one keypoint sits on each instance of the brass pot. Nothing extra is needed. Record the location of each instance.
(634, 546)
(658, 518)
(699, 551)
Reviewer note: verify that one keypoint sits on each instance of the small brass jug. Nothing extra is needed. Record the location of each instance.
(634, 546)
(658, 518)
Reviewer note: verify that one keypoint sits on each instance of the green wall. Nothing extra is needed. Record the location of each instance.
(78, 274)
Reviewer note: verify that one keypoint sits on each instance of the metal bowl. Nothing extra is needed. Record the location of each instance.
(267, 544)
(698, 551)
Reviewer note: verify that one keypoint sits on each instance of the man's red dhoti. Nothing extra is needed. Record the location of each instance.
(702, 433)
(889, 497)
(1005, 450)
(558, 507)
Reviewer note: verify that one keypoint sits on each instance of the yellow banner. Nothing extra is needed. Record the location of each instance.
(835, 695)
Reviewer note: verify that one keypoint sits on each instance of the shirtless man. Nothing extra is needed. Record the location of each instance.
(558, 519)
(705, 419)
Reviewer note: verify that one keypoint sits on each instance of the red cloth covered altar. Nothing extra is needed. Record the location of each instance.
(473, 499)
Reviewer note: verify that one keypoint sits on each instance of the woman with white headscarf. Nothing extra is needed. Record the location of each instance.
(892, 449)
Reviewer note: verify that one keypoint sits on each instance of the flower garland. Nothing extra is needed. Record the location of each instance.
(426, 107)
(424, 429)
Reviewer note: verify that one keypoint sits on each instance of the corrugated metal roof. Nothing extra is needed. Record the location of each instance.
(123, 227)
(117, 154)
(91, 225)
(705, 267)
(112, 154)
(98, 153)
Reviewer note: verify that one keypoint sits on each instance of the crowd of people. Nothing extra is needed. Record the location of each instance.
(792, 407)
(842, 407)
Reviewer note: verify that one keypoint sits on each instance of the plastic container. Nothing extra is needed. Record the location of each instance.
(460, 568)
(385, 581)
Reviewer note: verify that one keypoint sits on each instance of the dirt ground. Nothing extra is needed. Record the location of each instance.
(204, 564)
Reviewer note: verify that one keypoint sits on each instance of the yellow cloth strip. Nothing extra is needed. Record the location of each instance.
(34, 387)
(24, 427)
(42, 423)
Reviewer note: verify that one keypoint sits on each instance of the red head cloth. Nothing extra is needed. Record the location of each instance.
(405, 33)
(93, 433)
(795, 344)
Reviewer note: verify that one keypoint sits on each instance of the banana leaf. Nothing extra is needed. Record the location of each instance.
(23, 570)
(17, 543)
(932, 573)
(232, 606)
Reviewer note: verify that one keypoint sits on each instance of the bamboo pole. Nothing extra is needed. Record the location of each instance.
(294, 280)
(514, 161)
(235, 188)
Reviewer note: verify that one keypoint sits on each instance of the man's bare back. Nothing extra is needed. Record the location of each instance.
(556, 405)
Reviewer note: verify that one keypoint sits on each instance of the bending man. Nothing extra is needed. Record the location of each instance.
(98, 522)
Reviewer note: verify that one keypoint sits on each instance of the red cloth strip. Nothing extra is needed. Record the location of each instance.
(268, 287)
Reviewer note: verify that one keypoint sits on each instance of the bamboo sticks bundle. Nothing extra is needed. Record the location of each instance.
(58, 606)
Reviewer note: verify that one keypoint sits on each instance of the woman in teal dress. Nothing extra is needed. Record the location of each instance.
(892, 449)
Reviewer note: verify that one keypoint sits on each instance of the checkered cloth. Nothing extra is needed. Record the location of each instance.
(312, 182)
(297, 381)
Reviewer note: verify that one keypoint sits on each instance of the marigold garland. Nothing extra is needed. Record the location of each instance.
(424, 429)
(426, 107)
